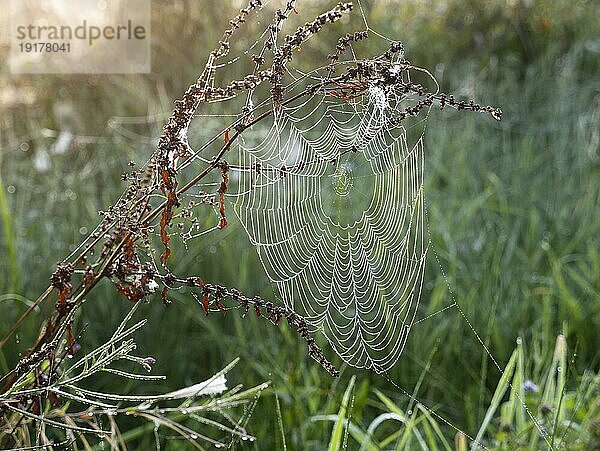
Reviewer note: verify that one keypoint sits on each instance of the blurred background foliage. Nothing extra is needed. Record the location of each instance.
(513, 212)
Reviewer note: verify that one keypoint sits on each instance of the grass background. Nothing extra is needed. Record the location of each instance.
(513, 213)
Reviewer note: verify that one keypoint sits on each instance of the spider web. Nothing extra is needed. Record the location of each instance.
(334, 207)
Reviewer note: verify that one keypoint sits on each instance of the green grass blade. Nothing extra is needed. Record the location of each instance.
(435, 426)
(410, 429)
(361, 437)
(337, 435)
(279, 420)
(9, 243)
(513, 410)
(560, 356)
(391, 406)
(429, 436)
(501, 388)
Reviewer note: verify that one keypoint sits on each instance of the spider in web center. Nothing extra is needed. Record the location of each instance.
(347, 189)
(342, 179)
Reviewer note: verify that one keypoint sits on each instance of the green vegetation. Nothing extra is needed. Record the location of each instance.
(513, 214)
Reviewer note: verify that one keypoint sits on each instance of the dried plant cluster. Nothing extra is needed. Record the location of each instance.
(121, 248)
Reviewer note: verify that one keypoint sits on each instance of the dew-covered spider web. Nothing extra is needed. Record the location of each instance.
(332, 199)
